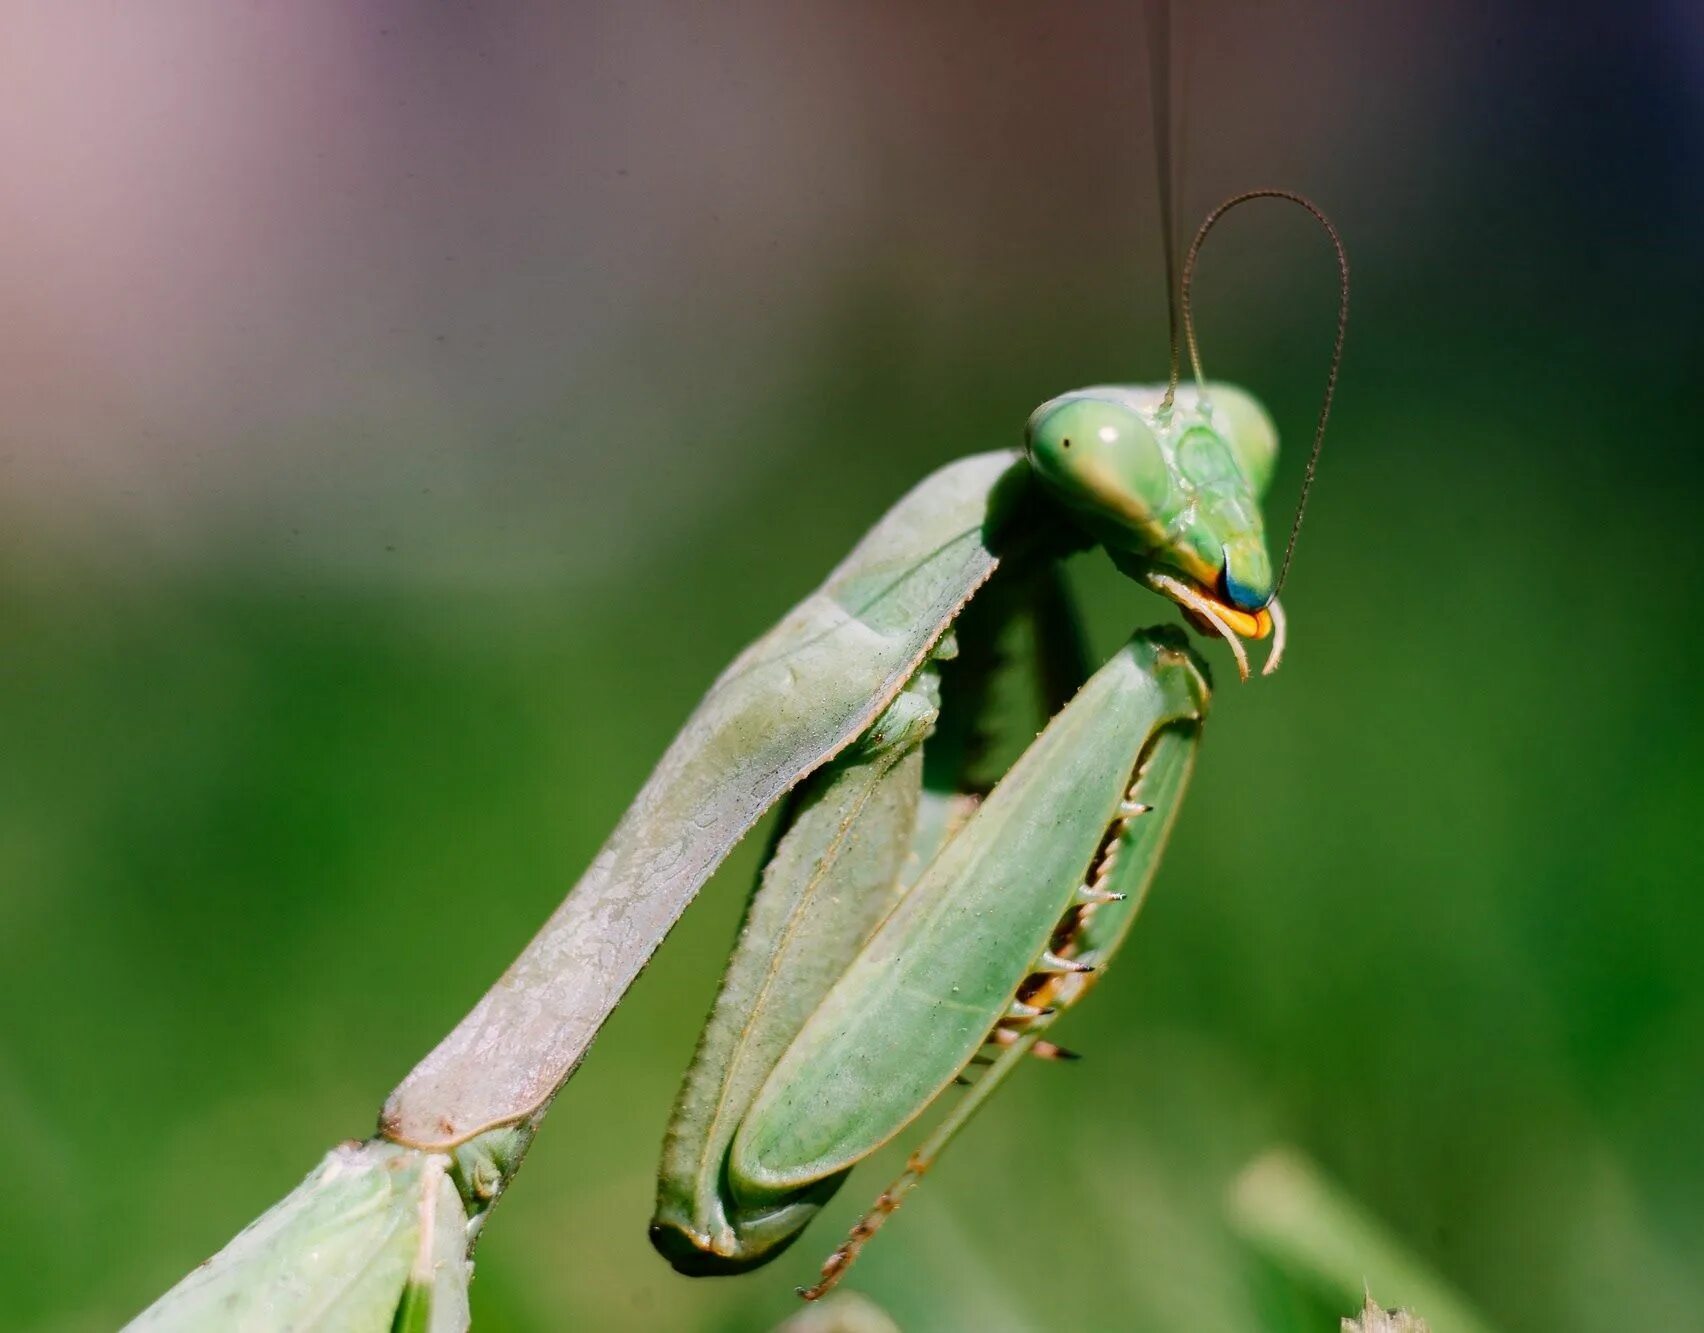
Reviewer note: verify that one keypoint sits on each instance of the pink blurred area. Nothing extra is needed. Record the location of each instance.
(287, 283)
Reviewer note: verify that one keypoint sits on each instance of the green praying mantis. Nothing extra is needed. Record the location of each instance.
(907, 928)
(904, 927)
(912, 929)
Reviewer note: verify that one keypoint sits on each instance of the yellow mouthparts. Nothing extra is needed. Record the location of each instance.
(1248, 624)
(1211, 616)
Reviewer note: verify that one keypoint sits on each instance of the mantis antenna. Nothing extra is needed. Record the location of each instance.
(1207, 225)
(1160, 105)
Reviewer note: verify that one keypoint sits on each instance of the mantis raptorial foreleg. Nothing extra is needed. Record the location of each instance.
(1002, 931)
(854, 839)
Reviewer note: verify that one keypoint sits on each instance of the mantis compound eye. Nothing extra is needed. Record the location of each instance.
(1101, 459)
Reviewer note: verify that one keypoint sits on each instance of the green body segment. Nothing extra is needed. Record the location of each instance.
(942, 972)
(1179, 487)
(837, 868)
(373, 1241)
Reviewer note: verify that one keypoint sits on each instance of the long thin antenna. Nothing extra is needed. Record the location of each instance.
(1160, 104)
(1336, 347)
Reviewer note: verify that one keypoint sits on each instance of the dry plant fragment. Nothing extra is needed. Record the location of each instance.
(1375, 1318)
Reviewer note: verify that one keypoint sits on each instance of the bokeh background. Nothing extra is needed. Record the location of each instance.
(409, 408)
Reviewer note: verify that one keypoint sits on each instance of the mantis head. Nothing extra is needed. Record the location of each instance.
(1169, 479)
(1172, 490)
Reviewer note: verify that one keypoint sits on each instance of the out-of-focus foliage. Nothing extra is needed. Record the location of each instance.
(338, 634)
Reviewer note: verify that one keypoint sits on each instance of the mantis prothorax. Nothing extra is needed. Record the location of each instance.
(906, 928)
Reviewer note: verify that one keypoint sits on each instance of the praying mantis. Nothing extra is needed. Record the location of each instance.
(906, 930)
(917, 925)
(904, 927)
(912, 928)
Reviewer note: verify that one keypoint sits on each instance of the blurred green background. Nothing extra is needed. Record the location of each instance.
(410, 409)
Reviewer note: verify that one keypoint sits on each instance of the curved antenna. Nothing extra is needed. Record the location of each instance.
(1308, 206)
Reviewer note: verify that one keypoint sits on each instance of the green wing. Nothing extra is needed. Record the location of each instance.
(790, 702)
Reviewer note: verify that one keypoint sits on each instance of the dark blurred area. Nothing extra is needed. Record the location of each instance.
(409, 409)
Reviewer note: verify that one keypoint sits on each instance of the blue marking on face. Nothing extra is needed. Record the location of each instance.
(1241, 596)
